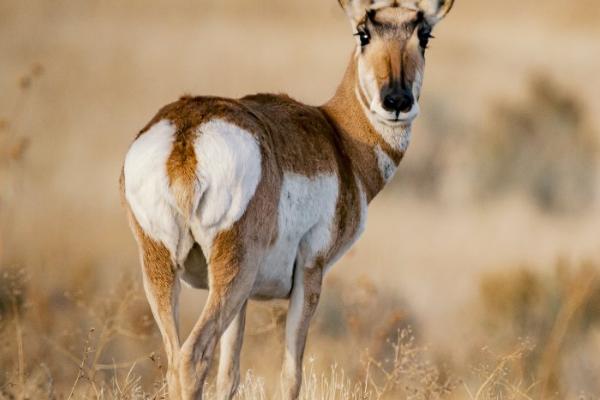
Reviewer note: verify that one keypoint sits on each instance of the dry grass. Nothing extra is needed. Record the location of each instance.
(445, 297)
(401, 368)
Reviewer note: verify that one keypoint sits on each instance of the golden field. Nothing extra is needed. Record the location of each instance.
(478, 274)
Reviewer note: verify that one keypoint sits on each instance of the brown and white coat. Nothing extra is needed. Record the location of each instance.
(256, 197)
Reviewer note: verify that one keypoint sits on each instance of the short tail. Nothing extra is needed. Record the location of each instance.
(182, 173)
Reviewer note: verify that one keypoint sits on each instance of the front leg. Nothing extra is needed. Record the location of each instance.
(306, 291)
(228, 377)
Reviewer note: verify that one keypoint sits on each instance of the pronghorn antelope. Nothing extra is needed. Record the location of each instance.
(257, 197)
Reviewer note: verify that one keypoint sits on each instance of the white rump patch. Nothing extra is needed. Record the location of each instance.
(229, 170)
(147, 184)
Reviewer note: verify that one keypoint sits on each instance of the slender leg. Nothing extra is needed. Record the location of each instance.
(231, 279)
(162, 290)
(303, 303)
(228, 377)
(234, 259)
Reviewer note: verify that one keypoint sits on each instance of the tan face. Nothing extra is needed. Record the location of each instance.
(392, 36)
(390, 54)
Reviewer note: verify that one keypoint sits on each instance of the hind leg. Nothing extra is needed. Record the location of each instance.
(232, 271)
(161, 285)
(228, 377)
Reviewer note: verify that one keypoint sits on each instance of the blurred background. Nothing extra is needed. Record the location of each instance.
(477, 277)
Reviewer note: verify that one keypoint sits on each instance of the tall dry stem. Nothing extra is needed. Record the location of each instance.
(577, 295)
(20, 351)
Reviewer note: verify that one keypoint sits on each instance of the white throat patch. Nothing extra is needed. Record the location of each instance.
(397, 136)
(387, 166)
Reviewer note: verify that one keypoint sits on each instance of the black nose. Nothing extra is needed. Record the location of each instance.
(398, 101)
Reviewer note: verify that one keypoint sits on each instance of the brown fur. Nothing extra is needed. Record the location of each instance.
(162, 289)
(294, 138)
(235, 257)
(181, 168)
(336, 138)
(155, 258)
(359, 138)
(254, 232)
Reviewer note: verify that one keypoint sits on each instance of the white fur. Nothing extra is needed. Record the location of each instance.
(417, 85)
(293, 319)
(230, 355)
(396, 135)
(387, 166)
(305, 216)
(366, 81)
(228, 171)
(364, 205)
(147, 185)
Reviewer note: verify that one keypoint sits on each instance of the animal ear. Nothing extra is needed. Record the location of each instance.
(357, 9)
(435, 10)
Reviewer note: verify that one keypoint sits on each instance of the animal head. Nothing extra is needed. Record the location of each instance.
(392, 37)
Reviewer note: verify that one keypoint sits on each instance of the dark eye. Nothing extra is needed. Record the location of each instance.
(424, 34)
(363, 36)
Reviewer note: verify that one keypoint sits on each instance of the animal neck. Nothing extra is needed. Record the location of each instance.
(374, 149)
